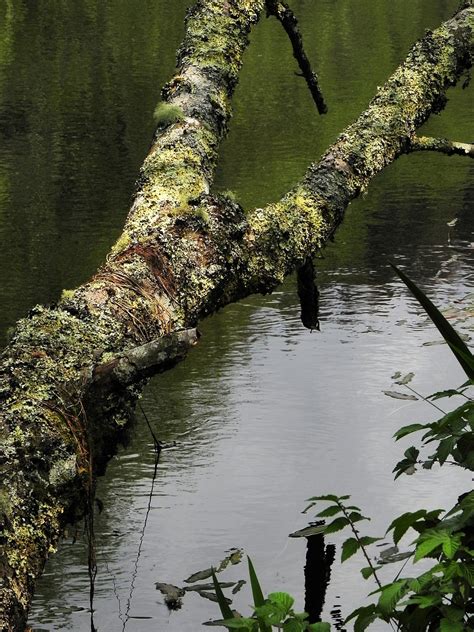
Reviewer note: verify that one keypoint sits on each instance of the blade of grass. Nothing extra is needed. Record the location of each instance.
(223, 605)
(457, 345)
(258, 598)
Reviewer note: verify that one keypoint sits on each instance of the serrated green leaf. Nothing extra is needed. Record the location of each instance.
(329, 511)
(429, 542)
(390, 595)
(406, 430)
(367, 571)
(448, 393)
(451, 626)
(329, 498)
(336, 525)
(451, 544)
(366, 540)
(401, 524)
(282, 600)
(349, 547)
(363, 617)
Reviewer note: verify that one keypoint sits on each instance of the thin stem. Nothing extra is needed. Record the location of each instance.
(362, 547)
(428, 401)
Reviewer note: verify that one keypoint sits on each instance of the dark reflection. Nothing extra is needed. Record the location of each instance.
(317, 570)
(309, 295)
(317, 574)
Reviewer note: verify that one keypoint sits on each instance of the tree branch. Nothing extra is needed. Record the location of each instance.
(287, 19)
(183, 254)
(442, 145)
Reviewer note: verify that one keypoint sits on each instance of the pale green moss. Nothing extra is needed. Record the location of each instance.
(166, 114)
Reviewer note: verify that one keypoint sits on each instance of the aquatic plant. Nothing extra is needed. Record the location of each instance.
(274, 611)
(440, 599)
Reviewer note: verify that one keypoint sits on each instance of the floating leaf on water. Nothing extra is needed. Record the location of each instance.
(234, 557)
(196, 577)
(219, 622)
(396, 557)
(391, 550)
(397, 395)
(238, 586)
(396, 375)
(406, 379)
(211, 596)
(198, 587)
(314, 529)
(173, 595)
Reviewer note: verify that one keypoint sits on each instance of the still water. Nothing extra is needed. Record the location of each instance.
(263, 413)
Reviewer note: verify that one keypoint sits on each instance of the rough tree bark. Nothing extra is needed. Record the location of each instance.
(72, 372)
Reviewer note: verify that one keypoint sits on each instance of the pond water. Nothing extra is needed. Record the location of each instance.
(263, 413)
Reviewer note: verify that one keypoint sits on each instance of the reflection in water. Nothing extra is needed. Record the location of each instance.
(262, 414)
(308, 294)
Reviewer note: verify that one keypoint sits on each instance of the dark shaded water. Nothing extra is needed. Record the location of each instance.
(263, 414)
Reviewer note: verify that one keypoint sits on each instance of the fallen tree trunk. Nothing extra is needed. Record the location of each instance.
(72, 372)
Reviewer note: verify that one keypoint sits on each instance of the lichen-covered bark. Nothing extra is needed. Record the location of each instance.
(72, 372)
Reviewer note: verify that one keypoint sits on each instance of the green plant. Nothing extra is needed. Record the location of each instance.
(274, 611)
(442, 597)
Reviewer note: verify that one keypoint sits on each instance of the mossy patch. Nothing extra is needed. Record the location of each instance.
(166, 114)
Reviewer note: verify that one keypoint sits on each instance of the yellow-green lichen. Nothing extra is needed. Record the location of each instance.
(67, 294)
(122, 243)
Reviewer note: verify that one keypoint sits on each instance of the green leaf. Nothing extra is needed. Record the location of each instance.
(390, 595)
(401, 524)
(282, 600)
(221, 600)
(294, 625)
(349, 547)
(257, 593)
(445, 448)
(425, 601)
(329, 511)
(368, 571)
(363, 617)
(336, 525)
(429, 542)
(450, 626)
(329, 497)
(448, 393)
(242, 623)
(320, 627)
(459, 348)
(451, 544)
(406, 430)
